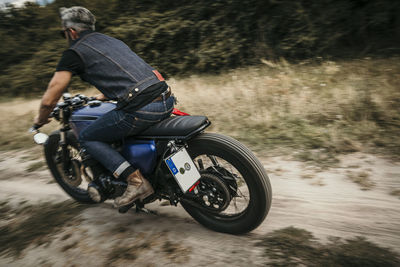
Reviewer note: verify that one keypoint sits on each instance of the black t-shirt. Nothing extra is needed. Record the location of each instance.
(72, 62)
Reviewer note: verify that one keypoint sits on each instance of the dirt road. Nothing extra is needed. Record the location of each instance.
(325, 203)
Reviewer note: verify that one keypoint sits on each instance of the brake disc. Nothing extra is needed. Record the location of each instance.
(74, 177)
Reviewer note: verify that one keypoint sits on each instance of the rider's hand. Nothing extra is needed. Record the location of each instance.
(100, 97)
(40, 123)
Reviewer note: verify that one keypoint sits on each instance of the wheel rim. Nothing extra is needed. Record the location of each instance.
(74, 179)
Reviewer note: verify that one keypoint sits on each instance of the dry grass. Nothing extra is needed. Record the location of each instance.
(297, 247)
(124, 254)
(16, 119)
(5, 209)
(36, 166)
(176, 252)
(324, 108)
(318, 108)
(35, 225)
(127, 253)
(361, 178)
(395, 192)
(307, 175)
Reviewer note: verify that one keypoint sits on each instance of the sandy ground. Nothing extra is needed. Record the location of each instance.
(325, 203)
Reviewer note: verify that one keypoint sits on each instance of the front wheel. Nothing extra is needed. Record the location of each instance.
(71, 180)
(234, 194)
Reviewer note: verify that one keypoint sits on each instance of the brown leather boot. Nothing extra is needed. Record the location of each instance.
(138, 188)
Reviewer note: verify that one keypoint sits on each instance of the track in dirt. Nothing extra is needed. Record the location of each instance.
(325, 203)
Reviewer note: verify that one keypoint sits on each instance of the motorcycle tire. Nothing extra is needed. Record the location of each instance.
(252, 171)
(50, 151)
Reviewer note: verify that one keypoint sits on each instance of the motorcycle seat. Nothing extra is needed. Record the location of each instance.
(176, 126)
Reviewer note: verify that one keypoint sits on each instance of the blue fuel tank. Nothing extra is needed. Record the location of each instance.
(83, 117)
(141, 154)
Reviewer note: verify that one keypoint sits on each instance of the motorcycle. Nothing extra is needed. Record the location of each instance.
(215, 178)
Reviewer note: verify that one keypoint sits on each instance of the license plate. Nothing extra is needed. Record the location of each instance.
(183, 169)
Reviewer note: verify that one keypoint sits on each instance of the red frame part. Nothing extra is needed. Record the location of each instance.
(177, 112)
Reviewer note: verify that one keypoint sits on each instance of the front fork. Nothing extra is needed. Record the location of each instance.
(65, 159)
(65, 156)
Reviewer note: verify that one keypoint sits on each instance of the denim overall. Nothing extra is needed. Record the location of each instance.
(120, 75)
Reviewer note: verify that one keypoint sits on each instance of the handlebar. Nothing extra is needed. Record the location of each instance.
(35, 128)
(75, 102)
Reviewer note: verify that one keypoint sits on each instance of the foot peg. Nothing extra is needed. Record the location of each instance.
(139, 208)
(124, 209)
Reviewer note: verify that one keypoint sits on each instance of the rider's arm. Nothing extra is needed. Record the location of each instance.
(55, 89)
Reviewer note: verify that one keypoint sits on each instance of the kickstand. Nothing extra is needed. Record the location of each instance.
(141, 209)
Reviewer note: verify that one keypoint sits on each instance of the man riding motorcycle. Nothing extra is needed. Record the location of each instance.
(143, 97)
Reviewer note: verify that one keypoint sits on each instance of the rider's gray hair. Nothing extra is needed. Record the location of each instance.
(77, 17)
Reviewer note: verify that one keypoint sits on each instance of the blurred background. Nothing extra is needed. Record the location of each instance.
(316, 82)
(320, 75)
(187, 37)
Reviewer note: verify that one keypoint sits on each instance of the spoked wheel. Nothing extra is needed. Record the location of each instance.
(71, 179)
(234, 190)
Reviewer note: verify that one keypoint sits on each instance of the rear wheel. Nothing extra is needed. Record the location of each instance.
(70, 180)
(234, 190)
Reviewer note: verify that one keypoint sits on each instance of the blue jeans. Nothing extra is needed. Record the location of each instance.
(115, 126)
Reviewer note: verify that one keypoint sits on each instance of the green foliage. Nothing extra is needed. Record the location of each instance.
(23, 31)
(184, 37)
(32, 75)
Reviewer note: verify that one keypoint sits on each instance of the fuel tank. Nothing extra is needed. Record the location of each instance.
(86, 115)
(141, 154)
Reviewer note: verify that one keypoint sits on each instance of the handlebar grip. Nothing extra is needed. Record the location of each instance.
(35, 128)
